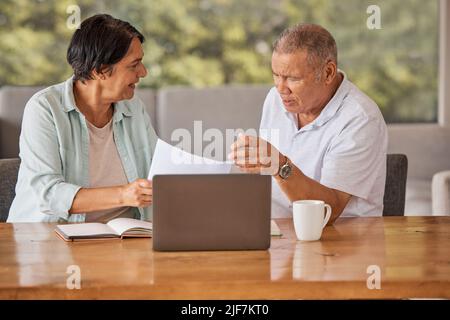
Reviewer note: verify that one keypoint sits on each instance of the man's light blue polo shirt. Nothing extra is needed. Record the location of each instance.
(54, 146)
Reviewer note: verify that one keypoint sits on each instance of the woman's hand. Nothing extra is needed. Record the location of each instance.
(137, 194)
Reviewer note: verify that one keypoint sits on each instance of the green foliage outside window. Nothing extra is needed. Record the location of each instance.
(214, 42)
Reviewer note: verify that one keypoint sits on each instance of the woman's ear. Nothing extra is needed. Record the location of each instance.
(98, 75)
(103, 73)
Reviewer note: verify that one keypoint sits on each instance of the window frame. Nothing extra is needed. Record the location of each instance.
(444, 64)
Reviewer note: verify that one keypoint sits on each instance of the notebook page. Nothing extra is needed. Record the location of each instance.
(86, 229)
(120, 225)
(274, 229)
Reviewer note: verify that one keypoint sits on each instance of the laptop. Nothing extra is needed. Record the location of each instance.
(211, 212)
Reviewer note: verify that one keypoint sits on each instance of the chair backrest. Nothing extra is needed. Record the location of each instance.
(9, 169)
(218, 110)
(395, 188)
(12, 104)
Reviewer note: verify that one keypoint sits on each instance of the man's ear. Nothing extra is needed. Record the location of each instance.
(330, 71)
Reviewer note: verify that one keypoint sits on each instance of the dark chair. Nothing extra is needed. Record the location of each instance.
(395, 189)
(9, 169)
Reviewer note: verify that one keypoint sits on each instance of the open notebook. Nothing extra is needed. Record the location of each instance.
(115, 229)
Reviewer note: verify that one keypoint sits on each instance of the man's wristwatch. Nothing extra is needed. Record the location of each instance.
(285, 170)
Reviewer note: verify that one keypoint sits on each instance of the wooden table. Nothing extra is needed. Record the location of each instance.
(412, 254)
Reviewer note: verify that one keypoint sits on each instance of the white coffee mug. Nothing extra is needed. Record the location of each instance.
(310, 218)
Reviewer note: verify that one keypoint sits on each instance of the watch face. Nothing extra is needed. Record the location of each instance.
(285, 171)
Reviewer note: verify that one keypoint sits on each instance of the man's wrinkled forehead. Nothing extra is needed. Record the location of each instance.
(300, 59)
(290, 60)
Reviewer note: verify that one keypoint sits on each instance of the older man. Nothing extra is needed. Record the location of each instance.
(331, 138)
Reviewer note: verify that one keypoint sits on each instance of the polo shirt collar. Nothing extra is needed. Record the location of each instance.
(331, 107)
(334, 104)
(121, 109)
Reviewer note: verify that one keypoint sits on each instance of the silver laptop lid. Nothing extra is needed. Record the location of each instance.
(211, 212)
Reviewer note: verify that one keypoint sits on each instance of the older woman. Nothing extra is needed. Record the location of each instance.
(87, 143)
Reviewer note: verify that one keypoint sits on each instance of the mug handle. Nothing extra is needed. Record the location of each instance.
(327, 215)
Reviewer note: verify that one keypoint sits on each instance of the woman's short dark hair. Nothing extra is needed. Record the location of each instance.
(99, 43)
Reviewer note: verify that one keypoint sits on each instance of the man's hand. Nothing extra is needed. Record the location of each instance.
(255, 155)
(137, 194)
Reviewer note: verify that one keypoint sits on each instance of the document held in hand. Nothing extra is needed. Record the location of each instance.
(168, 159)
(115, 229)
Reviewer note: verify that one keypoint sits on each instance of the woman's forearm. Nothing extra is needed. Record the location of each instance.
(138, 193)
(94, 199)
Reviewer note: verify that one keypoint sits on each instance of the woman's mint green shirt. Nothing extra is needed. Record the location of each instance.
(54, 146)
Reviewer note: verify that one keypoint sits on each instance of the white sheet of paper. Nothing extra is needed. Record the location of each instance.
(168, 159)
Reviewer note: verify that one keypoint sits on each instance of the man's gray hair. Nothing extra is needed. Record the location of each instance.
(316, 40)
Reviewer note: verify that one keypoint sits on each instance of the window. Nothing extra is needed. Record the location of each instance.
(212, 42)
